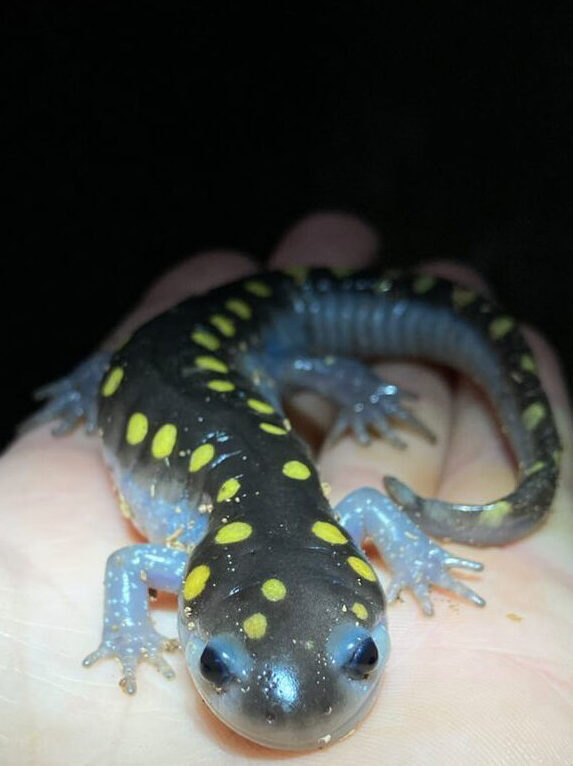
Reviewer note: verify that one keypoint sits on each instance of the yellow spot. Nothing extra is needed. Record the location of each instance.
(255, 626)
(298, 273)
(329, 533)
(206, 339)
(287, 424)
(538, 466)
(164, 441)
(273, 589)
(137, 428)
(494, 514)
(500, 326)
(326, 488)
(270, 428)
(239, 307)
(258, 288)
(221, 385)
(362, 568)
(294, 469)
(360, 610)
(228, 489)
(223, 324)
(112, 381)
(527, 364)
(235, 532)
(258, 406)
(195, 581)
(211, 363)
(462, 297)
(423, 284)
(200, 457)
(533, 415)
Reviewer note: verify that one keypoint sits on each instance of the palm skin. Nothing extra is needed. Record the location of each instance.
(469, 685)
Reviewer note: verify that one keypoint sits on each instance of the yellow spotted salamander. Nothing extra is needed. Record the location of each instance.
(281, 617)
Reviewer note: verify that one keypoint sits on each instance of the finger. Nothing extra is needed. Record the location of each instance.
(479, 465)
(327, 239)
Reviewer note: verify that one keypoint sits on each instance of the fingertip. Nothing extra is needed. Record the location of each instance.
(197, 274)
(327, 238)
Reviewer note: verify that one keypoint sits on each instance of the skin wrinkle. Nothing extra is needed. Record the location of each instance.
(557, 685)
(408, 737)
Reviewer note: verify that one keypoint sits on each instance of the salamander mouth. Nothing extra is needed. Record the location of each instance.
(272, 732)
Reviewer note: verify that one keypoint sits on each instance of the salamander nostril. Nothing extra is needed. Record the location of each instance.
(364, 659)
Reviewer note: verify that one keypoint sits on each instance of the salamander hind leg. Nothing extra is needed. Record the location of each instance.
(415, 560)
(367, 403)
(128, 632)
(71, 398)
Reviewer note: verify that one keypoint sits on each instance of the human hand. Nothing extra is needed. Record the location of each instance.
(469, 685)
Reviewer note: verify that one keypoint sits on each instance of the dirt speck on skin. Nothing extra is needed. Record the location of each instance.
(513, 617)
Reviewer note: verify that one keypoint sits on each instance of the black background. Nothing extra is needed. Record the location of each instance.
(138, 133)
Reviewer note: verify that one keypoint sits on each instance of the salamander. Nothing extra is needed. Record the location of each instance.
(281, 617)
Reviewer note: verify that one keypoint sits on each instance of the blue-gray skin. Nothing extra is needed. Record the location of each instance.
(281, 619)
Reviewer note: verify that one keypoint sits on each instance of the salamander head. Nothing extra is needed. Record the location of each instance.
(289, 663)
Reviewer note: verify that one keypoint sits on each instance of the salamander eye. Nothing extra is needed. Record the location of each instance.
(214, 668)
(364, 659)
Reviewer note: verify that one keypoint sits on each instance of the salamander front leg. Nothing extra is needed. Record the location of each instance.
(71, 398)
(415, 560)
(128, 632)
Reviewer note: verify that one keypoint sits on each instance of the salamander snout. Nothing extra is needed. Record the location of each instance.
(297, 696)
